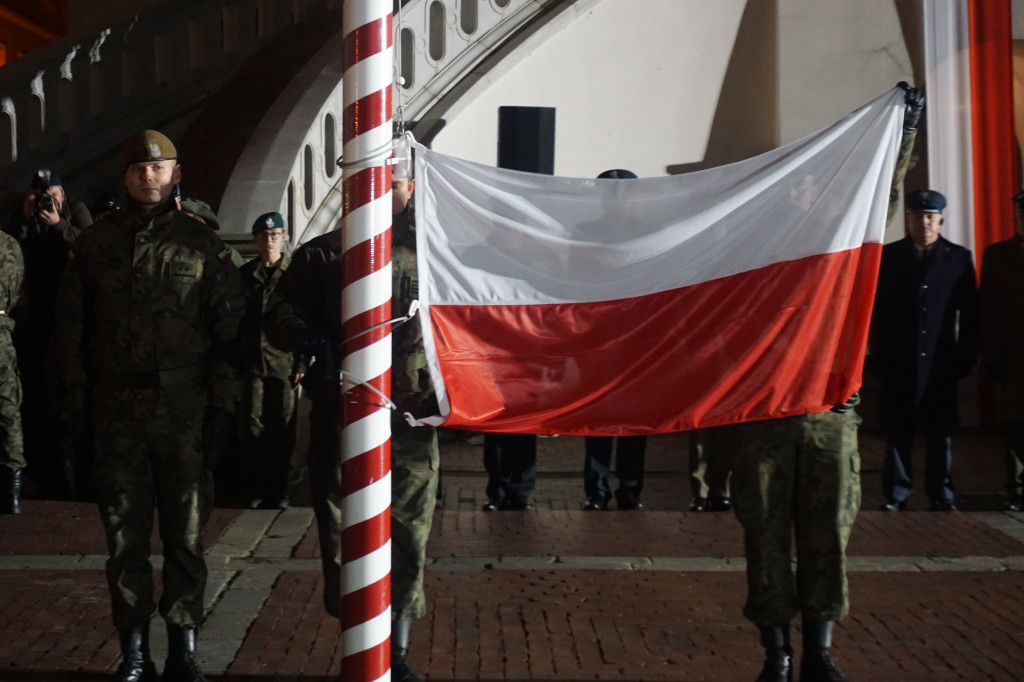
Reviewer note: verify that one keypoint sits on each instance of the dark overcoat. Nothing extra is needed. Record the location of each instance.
(925, 329)
(1002, 316)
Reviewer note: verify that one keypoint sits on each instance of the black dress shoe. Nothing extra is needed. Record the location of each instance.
(629, 505)
(895, 506)
(491, 506)
(1015, 504)
(698, 504)
(595, 504)
(718, 504)
(943, 506)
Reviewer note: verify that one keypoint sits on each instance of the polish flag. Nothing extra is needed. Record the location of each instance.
(619, 307)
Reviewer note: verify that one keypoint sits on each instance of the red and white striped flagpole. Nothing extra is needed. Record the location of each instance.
(366, 303)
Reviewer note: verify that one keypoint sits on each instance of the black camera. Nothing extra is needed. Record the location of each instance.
(45, 202)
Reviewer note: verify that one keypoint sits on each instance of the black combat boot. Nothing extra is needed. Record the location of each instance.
(401, 671)
(181, 663)
(815, 664)
(10, 491)
(778, 654)
(135, 663)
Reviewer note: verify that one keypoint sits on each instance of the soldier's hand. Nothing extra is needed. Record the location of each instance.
(843, 408)
(914, 101)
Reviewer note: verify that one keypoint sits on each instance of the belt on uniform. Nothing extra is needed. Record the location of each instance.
(158, 377)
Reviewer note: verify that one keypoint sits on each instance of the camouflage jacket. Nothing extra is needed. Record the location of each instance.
(309, 295)
(257, 355)
(12, 272)
(149, 298)
(411, 388)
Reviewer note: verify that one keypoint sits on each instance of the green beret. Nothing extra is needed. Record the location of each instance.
(148, 145)
(267, 221)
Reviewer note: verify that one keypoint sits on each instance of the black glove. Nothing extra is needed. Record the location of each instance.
(914, 100)
(218, 424)
(850, 403)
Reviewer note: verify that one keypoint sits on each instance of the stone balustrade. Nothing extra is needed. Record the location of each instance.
(71, 101)
(68, 105)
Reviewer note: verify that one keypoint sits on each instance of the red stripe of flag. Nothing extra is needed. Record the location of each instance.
(992, 126)
(755, 345)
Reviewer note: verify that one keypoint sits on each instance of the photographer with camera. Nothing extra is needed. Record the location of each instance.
(47, 209)
(45, 228)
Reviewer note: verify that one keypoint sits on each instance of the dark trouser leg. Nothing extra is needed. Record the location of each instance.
(325, 491)
(184, 497)
(414, 469)
(763, 486)
(709, 462)
(277, 440)
(493, 448)
(252, 440)
(898, 471)
(629, 467)
(520, 466)
(827, 497)
(1015, 462)
(938, 464)
(12, 456)
(597, 459)
(125, 497)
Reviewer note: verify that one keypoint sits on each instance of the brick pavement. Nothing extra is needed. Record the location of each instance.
(552, 594)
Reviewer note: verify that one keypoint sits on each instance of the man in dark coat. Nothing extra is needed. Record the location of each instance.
(924, 341)
(1002, 337)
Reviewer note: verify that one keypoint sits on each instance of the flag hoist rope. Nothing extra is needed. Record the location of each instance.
(368, 65)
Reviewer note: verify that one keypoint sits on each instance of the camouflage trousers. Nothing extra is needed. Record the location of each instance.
(797, 477)
(149, 458)
(414, 478)
(269, 436)
(12, 450)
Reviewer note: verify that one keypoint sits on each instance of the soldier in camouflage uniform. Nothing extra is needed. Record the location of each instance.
(798, 478)
(148, 308)
(272, 375)
(309, 309)
(12, 457)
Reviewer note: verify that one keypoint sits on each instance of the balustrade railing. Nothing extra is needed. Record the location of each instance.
(74, 99)
(71, 103)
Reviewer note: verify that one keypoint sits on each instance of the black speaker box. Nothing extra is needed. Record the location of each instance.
(526, 139)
